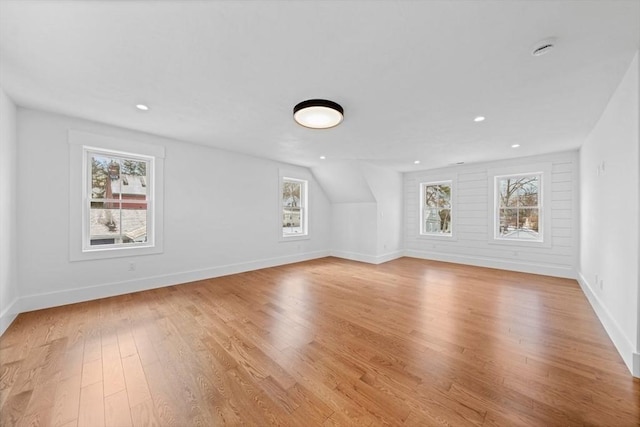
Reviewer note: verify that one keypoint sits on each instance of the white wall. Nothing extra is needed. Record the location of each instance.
(609, 226)
(386, 186)
(366, 211)
(8, 219)
(472, 242)
(220, 217)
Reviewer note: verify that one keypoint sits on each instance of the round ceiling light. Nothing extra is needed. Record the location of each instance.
(318, 114)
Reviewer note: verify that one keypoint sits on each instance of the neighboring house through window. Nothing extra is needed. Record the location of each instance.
(119, 206)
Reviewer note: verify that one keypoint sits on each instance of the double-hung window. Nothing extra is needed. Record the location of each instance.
(118, 200)
(436, 208)
(116, 197)
(518, 207)
(294, 207)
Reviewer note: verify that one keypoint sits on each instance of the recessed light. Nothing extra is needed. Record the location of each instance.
(479, 119)
(460, 163)
(417, 162)
(142, 107)
(515, 146)
(322, 157)
(318, 114)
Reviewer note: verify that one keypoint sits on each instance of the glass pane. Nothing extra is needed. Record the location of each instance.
(110, 225)
(528, 220)
(291, 192)
(132, 187)
(104, 223)
(134, 222)
(292, 220)
(431, 196)
(437, 196)
(431, 220)
(445, 220)
(508, 222)
(528, 192)
(445, 196)
(508, 191)
(99, 176)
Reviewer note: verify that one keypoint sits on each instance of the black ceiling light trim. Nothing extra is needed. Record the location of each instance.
(318, 113)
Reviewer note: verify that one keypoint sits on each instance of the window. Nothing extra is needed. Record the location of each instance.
(115, 197)
(294, 207)
(118, 207)
(518, 207)
(436, 208)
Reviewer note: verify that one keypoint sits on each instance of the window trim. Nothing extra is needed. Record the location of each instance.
(296, 175)
(544, 204)
(79, 143)
(304, 206)
(453, 225)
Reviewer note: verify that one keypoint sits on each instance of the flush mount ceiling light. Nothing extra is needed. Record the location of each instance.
(318, 114)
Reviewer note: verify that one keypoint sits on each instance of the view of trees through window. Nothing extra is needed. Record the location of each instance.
(436, 214)
(293, 207)
(118, 200)
(519, 207)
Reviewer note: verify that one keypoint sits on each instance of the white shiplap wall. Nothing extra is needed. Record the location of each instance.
(472, 241)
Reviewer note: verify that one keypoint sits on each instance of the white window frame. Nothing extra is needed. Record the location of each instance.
(452, 226)
(87, 152)
(81, 144)
(304, 207)
(543, 170)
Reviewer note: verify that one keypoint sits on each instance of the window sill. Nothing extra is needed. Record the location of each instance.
(294, 238)
(87, 255)
(520, 243)
(441, 237)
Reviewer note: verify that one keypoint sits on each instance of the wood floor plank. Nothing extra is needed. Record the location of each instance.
(319, 343)
(117, 412)
(91, 410)
(67, 401)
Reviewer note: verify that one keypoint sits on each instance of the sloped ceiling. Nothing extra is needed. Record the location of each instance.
(411, 75)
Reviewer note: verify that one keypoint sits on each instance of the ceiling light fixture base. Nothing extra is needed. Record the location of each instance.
(318, 114)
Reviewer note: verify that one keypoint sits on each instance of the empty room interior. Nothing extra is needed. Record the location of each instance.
(317, 213)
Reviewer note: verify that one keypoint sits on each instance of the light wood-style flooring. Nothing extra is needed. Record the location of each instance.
(320, 343)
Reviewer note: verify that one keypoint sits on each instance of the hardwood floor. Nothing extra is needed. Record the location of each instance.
(327, 342)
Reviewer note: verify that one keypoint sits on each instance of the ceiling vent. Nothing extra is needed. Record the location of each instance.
(543, 47)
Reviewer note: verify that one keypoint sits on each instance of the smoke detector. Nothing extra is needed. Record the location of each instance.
(543, 47)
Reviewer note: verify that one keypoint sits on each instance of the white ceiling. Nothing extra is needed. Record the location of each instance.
(410, 75)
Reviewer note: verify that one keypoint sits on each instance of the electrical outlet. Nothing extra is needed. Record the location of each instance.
(132, 266)
(601, 284)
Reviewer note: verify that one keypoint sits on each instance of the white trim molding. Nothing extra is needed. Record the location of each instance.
(105, 290)
(369, 259)
(9, 314)
(617, 336)
(520, 266)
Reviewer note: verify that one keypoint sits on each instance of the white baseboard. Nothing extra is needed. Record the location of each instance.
(71, 296)
(619, 339)
(369, 259)
(520, 266)
(9, 314)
